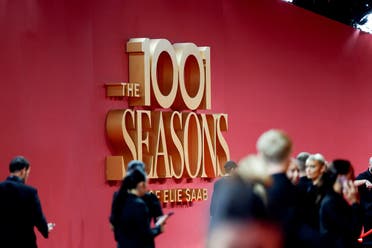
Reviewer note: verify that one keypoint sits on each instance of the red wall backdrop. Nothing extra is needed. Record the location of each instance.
(273, 66)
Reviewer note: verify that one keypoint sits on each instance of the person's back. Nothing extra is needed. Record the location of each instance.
(274, 146)
(17, 219)
(133, 228)
(219, 185)
(130, 218)
(152, 201)
(20, 209)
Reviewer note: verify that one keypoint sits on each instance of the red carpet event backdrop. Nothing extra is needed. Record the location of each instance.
(80, 97)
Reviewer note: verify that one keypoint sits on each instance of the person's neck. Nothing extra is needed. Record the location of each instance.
(133, 192)
(17, 178)
(17, 174)
(316, 181)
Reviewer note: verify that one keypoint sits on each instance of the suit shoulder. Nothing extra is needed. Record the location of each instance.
(27, 188)
(363, 175)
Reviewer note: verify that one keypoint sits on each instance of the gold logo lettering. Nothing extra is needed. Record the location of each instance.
(167, 84)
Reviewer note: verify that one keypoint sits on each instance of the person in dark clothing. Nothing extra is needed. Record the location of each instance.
(152, 201)
(340, 212)
(304, 182)
(315, 171)
(240, 216)
(364, 183)
(293, 172)
(275, 147)
(130, 216)
(240, 209)
(229, 167)
(238, 201)
(20, 209)
(307, 198)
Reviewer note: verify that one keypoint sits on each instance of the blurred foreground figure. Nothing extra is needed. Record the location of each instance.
(240, 218)
(229, 167)
(250, 234)
(258, 207)
(20, 209)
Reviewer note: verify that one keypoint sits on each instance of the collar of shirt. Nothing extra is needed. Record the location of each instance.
(14, 179)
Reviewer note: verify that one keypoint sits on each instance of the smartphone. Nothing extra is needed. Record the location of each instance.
(343, 181)
(163, 218)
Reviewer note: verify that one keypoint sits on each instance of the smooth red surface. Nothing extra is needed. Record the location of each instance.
(274, 65)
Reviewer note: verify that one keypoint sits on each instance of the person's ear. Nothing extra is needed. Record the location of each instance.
(23, 173)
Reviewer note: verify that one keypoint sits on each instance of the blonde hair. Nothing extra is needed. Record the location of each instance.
(253, 168)
(317, 157)
(274, 146)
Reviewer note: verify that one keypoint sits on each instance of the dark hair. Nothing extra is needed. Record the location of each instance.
(229, 165)
(130, 181)
(339, 167)
(18, 163)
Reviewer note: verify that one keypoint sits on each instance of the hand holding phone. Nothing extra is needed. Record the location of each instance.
(350, 192)
(161, 220)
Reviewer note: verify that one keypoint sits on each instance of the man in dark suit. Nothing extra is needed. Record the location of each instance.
(364, 182)
(20, 209)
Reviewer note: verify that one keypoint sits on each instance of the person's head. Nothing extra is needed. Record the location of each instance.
(293, 171)
(315, 167)
(135, 182)
(301, 162)
(136, 164)
(20, 167)
(230, 166)
(340, 171)
(275, 147)
(370, 164)
(253, 168)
